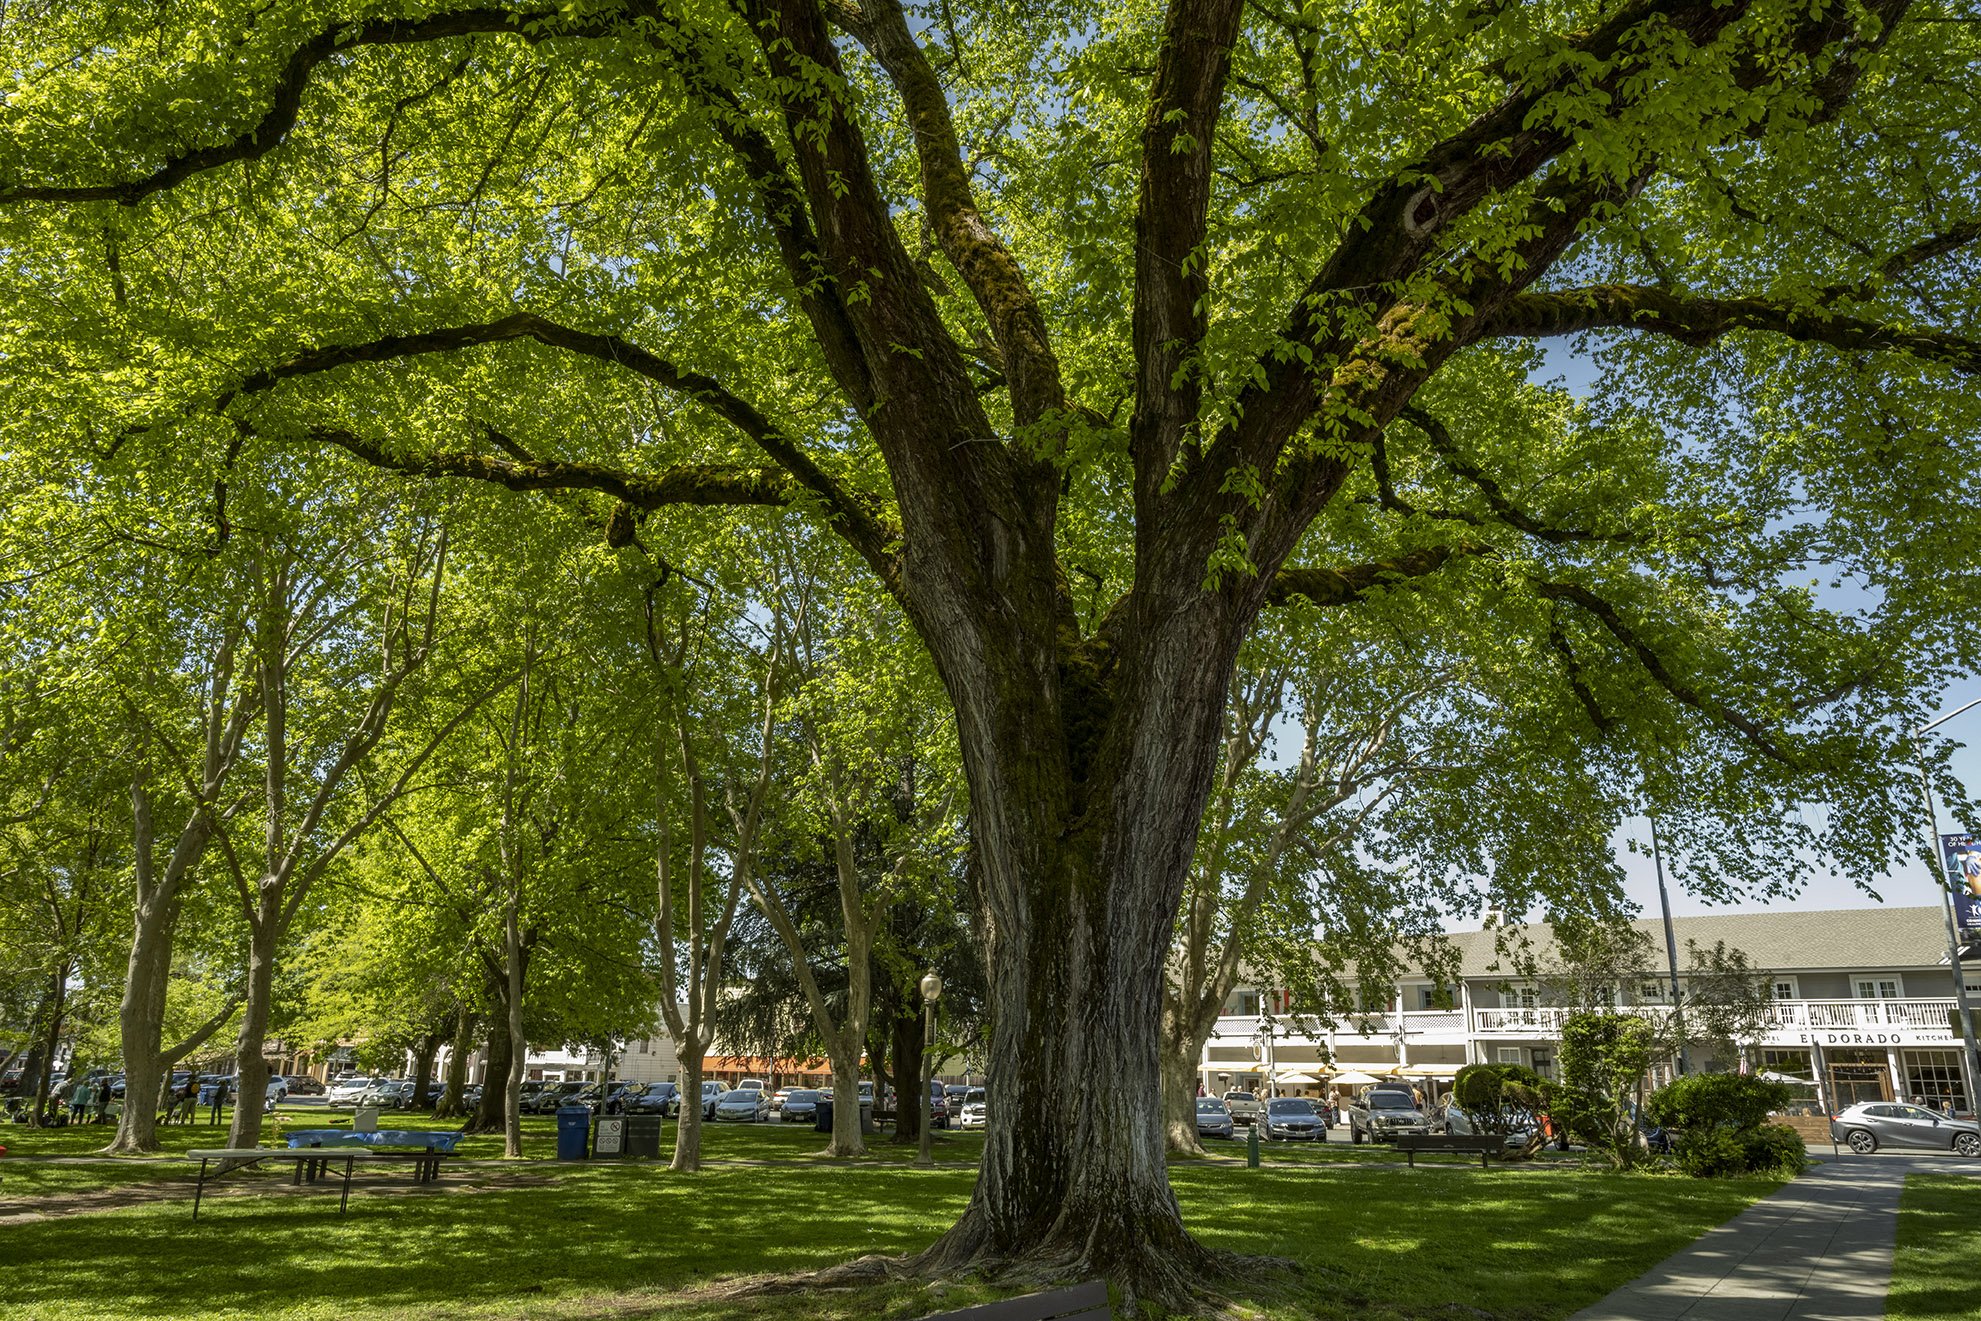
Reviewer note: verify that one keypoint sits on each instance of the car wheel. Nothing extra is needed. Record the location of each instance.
(1968, 1144)
(1861, 1141)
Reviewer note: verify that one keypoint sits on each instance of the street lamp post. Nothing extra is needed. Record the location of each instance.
(1936, 859)
(931, 992)
(1671, 946)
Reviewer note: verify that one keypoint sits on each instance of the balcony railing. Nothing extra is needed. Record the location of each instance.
(1922, 1016)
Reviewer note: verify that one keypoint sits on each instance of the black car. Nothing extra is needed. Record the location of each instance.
(801, 1106)
(1294, 1119)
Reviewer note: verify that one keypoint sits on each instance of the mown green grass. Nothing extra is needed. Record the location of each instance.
(1375, 1243)
(1934, 1273)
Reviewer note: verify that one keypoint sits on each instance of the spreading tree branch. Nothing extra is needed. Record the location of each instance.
(1699, 320)
(1328, 587)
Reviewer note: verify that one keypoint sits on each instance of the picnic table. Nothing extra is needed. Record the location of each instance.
(428, 1147)
(313, 1161)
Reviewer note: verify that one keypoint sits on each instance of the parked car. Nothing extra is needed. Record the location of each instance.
(1869, 1125)
(938, 1106)
(1454, 1119)
(801, 1105)
(1245, 1107)
(1383, 1114)
(750, 1085)
(301, 1084)
(1293, 1119)
(973, 1109)
(711, 1093)
(1214, 1118)
(346, 1091)
(389, 1094)
(276, 1092)
(553, 1097)
(750, 1105)
(655, 1098)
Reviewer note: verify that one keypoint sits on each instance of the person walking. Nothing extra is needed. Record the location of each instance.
(219, 1100)
(188, 1106)
(81, 1097)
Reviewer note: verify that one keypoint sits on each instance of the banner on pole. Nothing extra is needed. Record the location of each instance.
(1963, 855)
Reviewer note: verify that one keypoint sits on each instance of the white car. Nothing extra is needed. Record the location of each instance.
(750, 1085)
(278, 1090)
(749, 1105)
(973, 1109)
(347, 1091)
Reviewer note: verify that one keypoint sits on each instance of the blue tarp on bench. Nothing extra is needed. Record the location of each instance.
(442, 1140)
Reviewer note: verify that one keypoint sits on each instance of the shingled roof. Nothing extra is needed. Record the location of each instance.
(1883, 938)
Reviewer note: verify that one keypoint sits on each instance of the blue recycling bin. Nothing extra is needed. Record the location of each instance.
(574, 1130)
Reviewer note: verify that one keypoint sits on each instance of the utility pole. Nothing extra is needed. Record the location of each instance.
(1936, 859)
(1671, 947)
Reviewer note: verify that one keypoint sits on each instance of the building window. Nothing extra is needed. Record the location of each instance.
(1510, 1055)
(1932, 1079)
(1785, 989)
(1544, 1062)
(1651, 993)
(1789, 1063)
(1245, 1004)
(1879, 988)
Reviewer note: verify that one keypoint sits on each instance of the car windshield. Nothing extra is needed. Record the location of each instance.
(789, 1097)
(975, 1096)
(1392, 1101)
(1240, 1096)
(1209, 1105)
(746, 1097)
(1291, 1106)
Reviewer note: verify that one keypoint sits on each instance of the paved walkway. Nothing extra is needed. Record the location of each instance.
(1818, 1250)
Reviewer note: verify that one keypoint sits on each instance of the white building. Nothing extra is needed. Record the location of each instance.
(1863, 1007)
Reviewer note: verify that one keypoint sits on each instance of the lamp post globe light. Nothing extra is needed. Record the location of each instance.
(931, 992)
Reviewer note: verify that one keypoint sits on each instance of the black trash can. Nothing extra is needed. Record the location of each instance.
(643, 1136)
(609, 1138)
(574, 1129)
(822, 1121)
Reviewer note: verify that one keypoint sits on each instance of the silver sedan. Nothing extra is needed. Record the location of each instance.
(751, 1106)
(1872, 1124)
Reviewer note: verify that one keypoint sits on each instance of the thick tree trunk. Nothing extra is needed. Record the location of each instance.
(423, 1067)
(250, 1065)
(847, 1139)
(1179, 1093)
(489, 1111)
(1083, 846)
(141, 1018)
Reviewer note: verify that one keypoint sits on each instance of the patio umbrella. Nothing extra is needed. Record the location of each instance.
(1353, 1078)
(1296, 1078)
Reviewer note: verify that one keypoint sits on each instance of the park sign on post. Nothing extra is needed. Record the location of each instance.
(1963, 855)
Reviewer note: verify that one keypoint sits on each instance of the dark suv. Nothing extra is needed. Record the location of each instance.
(1383, 1114)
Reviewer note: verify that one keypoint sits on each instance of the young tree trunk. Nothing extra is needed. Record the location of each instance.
(250, 1064)
(141, 1019)
(688, 1124)
(50, 1042)
(457, 1065)
(512, 1086)
(910, 1092)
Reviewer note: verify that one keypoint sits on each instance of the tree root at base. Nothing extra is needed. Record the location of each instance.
(1198, 1287)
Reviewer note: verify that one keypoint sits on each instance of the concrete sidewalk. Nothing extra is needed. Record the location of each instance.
(1818, 1250)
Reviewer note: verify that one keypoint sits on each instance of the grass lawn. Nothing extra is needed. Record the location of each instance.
(1378, 1243)
(719, 1141)
(1933, 1273)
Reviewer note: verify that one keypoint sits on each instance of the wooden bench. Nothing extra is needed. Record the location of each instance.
(1080, 1302)
(1487, 1145)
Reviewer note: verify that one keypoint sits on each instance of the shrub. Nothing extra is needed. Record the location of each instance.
(1776, 1149)
(1710, 1153)
(1700, 1100)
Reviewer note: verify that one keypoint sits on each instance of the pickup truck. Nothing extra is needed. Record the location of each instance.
(1245, 1107)
(1383, 1114)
